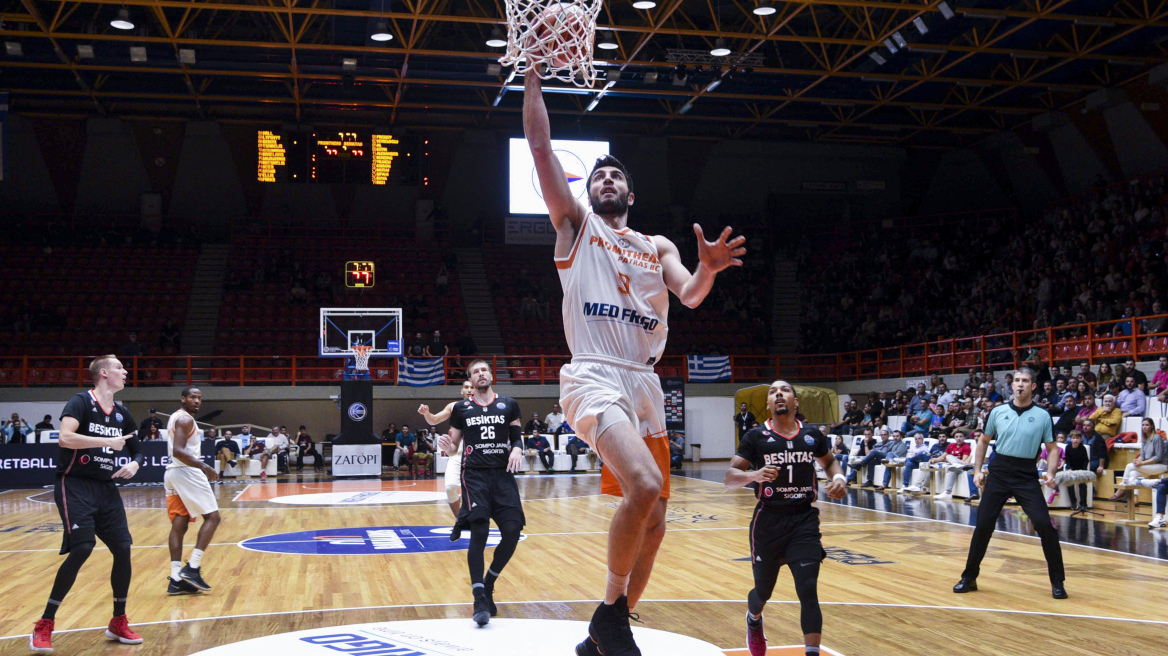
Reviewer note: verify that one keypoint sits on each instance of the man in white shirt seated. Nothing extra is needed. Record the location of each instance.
(277, 443)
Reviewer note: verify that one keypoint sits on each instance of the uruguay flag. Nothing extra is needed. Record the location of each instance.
(709, 368)
(420, 372)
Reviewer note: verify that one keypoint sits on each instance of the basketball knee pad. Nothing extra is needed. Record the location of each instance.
(453, 493)
(120, 550)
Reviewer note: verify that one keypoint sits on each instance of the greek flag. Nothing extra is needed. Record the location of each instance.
(420, 372)
(709, 368)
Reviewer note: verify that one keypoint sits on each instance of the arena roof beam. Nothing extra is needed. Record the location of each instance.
(1161, 14)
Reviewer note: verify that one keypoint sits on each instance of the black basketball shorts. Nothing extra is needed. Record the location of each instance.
(90, 509)
(780, 537)
(490, 494)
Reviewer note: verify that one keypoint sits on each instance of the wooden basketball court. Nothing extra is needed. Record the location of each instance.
(885, 588)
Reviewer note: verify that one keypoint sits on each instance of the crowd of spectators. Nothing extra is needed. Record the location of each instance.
(1101, 258)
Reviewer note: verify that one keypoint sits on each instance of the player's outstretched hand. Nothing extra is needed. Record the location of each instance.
(766, 474)
(515, 461)
(127, 471)
(116, 443)
(445, 443)
(719, 254)
(836, 490)
(423, 409)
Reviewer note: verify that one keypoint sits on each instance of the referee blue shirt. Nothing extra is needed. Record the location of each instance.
(1019, 432)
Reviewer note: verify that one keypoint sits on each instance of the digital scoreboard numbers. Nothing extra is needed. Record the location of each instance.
(273, 158)
(359, 274)
(337, 157)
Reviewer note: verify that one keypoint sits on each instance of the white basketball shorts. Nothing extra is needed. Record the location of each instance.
(192, 487)
(590, 388)
(453, 478)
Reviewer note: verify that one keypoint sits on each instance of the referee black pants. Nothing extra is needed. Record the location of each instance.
(1018, 478)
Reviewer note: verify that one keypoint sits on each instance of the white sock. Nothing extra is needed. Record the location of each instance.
(196, 558)
(617, 586)
(175, 568)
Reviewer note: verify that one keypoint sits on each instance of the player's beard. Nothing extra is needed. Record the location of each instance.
(782, 410)
(610, 207)
(482, 389)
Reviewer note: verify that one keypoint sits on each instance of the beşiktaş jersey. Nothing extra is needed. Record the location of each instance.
(794, 457)
(486, 441)
(94, 421)
(616, 304)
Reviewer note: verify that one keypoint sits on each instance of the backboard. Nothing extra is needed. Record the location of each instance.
(343, 328)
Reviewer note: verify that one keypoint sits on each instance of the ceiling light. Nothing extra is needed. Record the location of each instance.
(381, 33)
(137, 54)
(714, 84)
(186, 56)
(494, 68)
(919, 23)
(945, 10)
(349, 64)
(607, 43)
(685, 108)
(496, 40)
(122, 21)
(899, 39)
(764, 8)
(85, 51)
(891, 46)
(650, 77)
(878, 58)
(593, 104)
(13, 49)
(644, 4)
(720, 49)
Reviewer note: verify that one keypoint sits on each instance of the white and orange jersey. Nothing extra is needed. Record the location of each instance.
(194, 443)
(616, 304)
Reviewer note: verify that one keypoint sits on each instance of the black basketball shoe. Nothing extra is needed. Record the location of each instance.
(180, 587)
(611, 631)
(193, 576)
(482, 610)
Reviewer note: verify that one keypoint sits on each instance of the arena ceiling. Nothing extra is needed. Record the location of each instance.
(822, 70)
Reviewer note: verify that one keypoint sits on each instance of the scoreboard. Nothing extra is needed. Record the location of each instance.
(338, 157)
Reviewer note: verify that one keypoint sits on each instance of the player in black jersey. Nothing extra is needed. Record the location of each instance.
(94, 430)
(785, 528)
(486, 428)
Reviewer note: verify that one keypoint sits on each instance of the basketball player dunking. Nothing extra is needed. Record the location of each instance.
(188, 495)
(454, 465)
(785, 528)
(94, 428)
(485, 429)
(616, 301)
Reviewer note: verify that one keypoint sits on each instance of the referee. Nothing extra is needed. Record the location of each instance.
(1020, 428)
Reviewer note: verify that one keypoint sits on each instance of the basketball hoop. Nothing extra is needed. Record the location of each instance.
(552, 32)
(361, 356)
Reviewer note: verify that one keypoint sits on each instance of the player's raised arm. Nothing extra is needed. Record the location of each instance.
(563, 208)
(713, 257)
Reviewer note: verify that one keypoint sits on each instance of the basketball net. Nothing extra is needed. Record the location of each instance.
(566, 46)
(361, 357)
